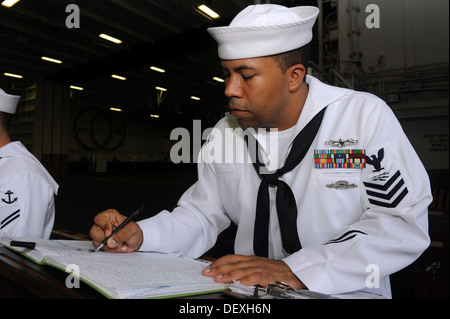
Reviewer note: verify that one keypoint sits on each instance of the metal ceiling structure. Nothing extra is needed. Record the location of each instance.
(169, 34)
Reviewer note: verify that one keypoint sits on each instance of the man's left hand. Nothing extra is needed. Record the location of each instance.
(252, 270)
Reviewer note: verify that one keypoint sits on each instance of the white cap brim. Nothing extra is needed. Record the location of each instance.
(242, 42)
(8, 102)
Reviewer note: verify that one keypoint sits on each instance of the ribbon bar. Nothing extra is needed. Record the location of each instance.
(340, 158)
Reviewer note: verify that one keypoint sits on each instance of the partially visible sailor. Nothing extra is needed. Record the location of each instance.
(27, 191)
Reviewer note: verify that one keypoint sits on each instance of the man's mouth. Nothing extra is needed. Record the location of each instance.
(237, 112)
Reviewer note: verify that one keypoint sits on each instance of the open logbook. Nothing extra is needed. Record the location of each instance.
(133, 275)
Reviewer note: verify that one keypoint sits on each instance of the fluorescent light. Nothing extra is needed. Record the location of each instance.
(218, 79)
(205, 9)
(9, 3)
(51, 60)
(110, 38)
(160, 88)
(79, 88)
(195, 98)
(154, 115)
(118, 77)
(154, 68)
(12, 75)
(115, 109)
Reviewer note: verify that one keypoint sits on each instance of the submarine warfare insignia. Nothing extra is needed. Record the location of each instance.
(341, 142)
(342, 185)
(9, 201)
(340, 158)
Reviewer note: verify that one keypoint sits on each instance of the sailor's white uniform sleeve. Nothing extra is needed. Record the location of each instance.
(193, 226)
(392, 231)
(27, 205)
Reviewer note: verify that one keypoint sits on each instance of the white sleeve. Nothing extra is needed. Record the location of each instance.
(393, 228)
(28, 207)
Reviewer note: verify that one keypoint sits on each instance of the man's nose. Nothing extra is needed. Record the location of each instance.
(233, 87)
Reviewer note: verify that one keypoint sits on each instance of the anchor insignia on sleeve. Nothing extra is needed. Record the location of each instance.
(9, 201)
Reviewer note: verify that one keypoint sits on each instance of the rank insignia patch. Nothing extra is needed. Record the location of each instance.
(388, 193)
(375, 160)
(9, 219)
(340, 158)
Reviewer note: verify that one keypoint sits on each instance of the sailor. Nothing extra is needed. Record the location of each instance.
(27, 191)
(348, 194)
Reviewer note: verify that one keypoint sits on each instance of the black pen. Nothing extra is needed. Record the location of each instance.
(25, 244)
(126, 221)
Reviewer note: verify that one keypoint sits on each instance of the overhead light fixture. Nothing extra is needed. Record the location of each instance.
(160, 88)
(218, 79)
(208, 11)
(118, 77)
(9, 3)
(110, 38)
(45, 58)
(195, 98)
(154, 68)
(154, 115)
(115, 109)
(12, 75)
(74, 87)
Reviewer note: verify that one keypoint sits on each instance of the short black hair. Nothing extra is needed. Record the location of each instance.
(298, 56)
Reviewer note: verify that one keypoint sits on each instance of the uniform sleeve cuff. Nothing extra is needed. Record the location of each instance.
(150, 233)
(313, 276)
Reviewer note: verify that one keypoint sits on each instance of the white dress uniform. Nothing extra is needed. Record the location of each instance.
(27, 206)
(352, 221)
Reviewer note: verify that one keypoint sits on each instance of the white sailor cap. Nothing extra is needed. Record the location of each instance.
(265, 29)
(8, 102)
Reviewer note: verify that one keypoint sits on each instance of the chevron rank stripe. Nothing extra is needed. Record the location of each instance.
(385, 196)
(9, 219)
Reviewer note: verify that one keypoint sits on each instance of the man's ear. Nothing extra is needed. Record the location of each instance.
(296, 75)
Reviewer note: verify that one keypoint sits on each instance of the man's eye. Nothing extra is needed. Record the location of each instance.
(248, 77)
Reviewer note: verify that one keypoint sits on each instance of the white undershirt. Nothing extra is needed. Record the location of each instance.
(276, 144)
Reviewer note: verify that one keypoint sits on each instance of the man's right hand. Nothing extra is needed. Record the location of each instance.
(126, 240)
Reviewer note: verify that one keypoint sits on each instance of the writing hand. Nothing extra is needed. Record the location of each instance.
(128, 239)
